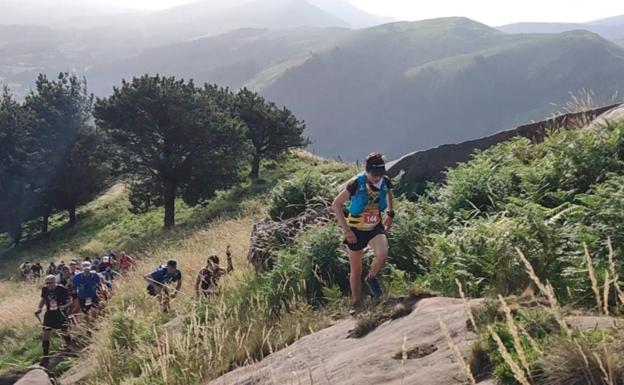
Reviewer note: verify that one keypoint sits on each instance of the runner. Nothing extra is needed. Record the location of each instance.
(228, 254)
(125, 262)
(207, 278)
(105, 268)
(26, 271)
(73, 267)
(370, 194)
(86, 285)
(60, 266)
(51, 269)
(56, 299)
(66, 279)
(158, 280)
(37, 271)
(96, 263)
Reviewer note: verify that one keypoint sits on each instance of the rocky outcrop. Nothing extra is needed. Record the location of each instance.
(429, 165)
(35, 376)
(614, 115)
(331, 357)
(268, 233)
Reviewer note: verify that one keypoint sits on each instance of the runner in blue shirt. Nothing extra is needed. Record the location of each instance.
(87, 285)
(158, 280)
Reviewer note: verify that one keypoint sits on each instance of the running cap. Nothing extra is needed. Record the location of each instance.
(86, 265)
(375, 164)
(50, 279)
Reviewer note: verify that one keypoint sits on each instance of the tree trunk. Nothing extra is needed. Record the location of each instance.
(72, 215)
(170, 190)
(16, 234)
(255, 167)
(45, 220)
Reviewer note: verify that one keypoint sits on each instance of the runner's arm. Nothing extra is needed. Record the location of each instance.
(40, 306)
(388, 220)
(337, 206)
(150, 279)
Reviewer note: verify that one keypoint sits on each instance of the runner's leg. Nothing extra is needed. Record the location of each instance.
(379, 244)
(355, 276)
(47, 332)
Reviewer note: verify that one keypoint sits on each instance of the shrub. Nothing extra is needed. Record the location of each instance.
(292, 196)
(407, 239)
(323, 260)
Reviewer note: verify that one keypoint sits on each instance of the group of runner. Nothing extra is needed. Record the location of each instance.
(109, 263)
(77, 287)
(84, 287)
(74, 288)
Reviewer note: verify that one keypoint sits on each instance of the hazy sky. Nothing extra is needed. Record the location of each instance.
(487, 11)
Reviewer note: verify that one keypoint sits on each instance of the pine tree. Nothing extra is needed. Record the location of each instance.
(72, 166)
(175, 139)
(16, 198)
(272, 130)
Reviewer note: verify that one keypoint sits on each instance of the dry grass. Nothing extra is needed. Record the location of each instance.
(513, 329)
(201, 342)
(592, 276)
(614, 273)
(456, 352)
(546, 290)
(17, 303)
(517, 372)
(584, 361)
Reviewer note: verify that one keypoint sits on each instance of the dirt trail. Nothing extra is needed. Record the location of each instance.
(330, 357)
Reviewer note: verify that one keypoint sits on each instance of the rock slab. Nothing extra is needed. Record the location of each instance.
(329, 357)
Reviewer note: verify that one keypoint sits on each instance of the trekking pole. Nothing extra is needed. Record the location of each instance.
(169, 288)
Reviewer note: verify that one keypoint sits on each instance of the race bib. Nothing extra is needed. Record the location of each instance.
(372, 217)
(88, 301)
(52, 305)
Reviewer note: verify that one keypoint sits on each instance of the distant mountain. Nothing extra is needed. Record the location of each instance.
(354, 16)
(234, 59)
(615, 20)
(611, 28)
(50, 12)
(209, 18)
(406, 86)
(395, 88)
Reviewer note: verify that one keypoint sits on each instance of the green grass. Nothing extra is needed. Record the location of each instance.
(547, 199)
(200, 231)
(107, 223)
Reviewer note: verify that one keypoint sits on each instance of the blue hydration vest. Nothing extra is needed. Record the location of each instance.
(359, 201)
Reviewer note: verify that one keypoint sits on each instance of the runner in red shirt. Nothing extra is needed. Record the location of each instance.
(125, 262)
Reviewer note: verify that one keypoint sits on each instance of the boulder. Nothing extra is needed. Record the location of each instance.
(614, 115)
(35, 376)
(331, 357)
(430, 165)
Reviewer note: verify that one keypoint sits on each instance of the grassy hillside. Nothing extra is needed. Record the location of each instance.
(514, 205)
(612, 28)
(439, 81)
(106, 223)
(232, 59)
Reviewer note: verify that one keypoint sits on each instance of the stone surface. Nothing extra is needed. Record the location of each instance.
(429, 165)
(35, 376)
(329, 357)
(611, 116)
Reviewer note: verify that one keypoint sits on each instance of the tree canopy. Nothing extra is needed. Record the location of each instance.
(175, 140)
